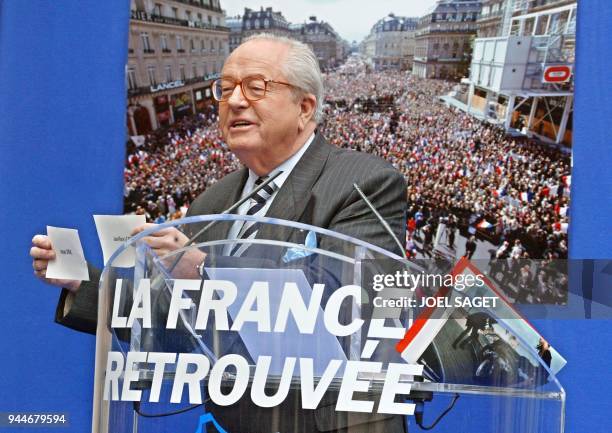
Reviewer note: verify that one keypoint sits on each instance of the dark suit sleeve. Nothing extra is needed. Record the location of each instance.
(386, 190)
(79, 310)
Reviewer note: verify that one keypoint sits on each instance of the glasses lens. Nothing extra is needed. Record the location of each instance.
(254, 87)
(223, 89)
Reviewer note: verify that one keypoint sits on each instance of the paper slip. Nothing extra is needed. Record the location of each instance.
(69, 263)
(113, 231)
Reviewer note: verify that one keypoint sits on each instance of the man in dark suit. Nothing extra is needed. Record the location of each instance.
(270, 101)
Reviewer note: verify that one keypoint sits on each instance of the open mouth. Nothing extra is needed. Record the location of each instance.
(240, 124)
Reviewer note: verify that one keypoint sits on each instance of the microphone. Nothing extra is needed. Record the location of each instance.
(158, 281)
(226, 211)
(234, 207)
(381, 220)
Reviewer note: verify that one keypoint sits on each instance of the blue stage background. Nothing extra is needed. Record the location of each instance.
(62, 133)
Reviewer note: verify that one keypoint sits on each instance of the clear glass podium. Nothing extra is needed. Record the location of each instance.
(286, 332)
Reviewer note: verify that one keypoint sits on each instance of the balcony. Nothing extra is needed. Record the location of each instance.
(148, 51)
(145, 90)
(490, 15)
(142, 90)
(199, 4)
(180, 51)
(153, 18)
(166, 50)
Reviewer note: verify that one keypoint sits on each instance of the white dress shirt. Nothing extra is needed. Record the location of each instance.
(286, 168)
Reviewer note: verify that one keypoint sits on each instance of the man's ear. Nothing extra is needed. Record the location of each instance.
(308, 106)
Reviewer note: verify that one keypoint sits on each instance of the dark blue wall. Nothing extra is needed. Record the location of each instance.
(62, 130)
(62, 133)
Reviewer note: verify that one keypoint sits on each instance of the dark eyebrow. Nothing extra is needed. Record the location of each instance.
(230, 77)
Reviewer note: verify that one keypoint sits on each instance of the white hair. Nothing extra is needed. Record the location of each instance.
(301, 68)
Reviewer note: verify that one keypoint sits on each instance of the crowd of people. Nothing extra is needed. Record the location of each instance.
(457, 168)
(173, 165)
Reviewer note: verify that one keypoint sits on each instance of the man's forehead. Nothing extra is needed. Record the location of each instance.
(255, 58)
(245, 66)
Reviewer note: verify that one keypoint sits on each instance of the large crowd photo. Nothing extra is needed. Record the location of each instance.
(473, 190)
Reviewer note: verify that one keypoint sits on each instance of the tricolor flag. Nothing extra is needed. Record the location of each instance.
(524, 196)
(500, 192)
(484, 224)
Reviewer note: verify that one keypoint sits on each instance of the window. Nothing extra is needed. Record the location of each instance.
(266, 23)
(164, 42)
(174, 12)
(188, 15)
(168, 73)
(179, 42)
(212, 46)
(182, 72)
(151, 75)
(220, 46)
(192, 45)
(203, 45)
(131, 78)
(194, 70)
(146, 44)
(199, 17)
(157, 10)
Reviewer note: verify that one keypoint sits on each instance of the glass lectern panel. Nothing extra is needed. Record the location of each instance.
(300, 329)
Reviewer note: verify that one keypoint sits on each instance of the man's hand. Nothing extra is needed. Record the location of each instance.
(41, 252)
(170, 239)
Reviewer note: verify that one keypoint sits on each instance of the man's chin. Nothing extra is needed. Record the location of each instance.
(242, 144)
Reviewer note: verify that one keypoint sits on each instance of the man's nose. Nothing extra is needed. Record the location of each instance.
(237, 99)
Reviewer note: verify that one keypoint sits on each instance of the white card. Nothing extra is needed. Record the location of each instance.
(69, 263)
(114, 231)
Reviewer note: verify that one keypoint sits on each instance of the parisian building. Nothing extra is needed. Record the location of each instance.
(522, 69)
(264, 21)
(490, 21)
(444, 39)
(235, 26)
(176, 49)
(328, 46)
(391, 42)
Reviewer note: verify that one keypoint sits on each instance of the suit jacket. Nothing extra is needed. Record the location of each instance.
(319, 191)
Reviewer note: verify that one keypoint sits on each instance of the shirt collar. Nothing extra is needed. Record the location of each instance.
(286, 167)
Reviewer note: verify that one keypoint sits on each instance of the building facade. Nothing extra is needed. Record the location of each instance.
(264, 21)
(327, 45)
(235, 26)
(175, 49)
(490, 21)
(391, 43)
(444, 39)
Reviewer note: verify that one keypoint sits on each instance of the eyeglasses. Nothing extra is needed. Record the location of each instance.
(253, 88)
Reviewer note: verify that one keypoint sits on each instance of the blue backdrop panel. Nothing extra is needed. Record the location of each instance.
(62, 117)
(62, 133)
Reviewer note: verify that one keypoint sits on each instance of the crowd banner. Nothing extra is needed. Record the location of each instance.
(303, 329)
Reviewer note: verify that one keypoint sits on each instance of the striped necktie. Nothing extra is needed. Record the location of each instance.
(258, 203)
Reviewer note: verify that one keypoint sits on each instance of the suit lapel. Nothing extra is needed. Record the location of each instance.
(295, 194)
(232, 194)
